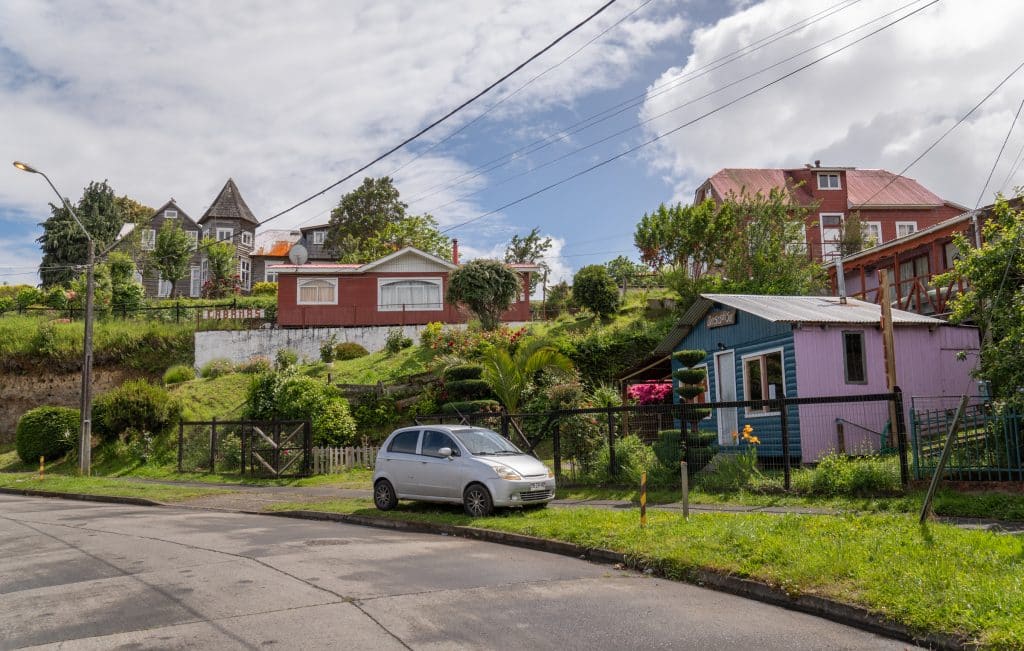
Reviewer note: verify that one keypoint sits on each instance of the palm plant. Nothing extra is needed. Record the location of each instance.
(509, 374)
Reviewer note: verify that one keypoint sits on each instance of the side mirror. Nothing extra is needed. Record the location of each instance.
(445, 452)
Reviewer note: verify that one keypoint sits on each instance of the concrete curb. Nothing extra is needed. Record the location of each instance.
(854, 616)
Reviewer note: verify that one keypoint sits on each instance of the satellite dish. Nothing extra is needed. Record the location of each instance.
(298, 254)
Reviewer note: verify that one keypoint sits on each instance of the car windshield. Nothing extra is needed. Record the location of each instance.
(484, 442)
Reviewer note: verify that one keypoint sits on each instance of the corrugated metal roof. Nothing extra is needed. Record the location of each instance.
(862, 186)
(275, 243)
(816, 309)
(739, 180)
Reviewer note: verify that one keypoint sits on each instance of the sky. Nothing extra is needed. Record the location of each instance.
(169, 99)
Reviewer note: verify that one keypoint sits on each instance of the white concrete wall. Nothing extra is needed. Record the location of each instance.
(241, 345)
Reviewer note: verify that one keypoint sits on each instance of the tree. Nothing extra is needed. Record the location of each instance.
(595, 290)
(419, 231)
(172, 253)
(222, 280)
(509, 374)
(530, 249)
(63, 242)
(486, 288)
(558, 298)
(127, 294)
(625, 271)
(994, 297)
(851, 236)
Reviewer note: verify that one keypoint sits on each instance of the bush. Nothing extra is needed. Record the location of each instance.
(46, 432)
(327, 349)
(179, 373)
(837, 474)
(431, 334)
(689, 358)
(633, 457)
(595, 290)
(349, 350)
(135, 407)
(669, 448)
(27, 296)
(216, 368)
(375, 412)
(690, 375)
(467, 390)
(286, 358)
(254, 365)
(283, 395)
(396, 341)
(463, 372)
(6, 304)
(264, 289)
(470, 406)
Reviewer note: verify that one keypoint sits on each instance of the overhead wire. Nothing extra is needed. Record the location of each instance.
(995, 163)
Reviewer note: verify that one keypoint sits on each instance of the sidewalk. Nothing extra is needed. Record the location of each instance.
(256, 499)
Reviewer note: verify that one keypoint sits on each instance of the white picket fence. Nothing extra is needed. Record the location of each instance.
(331, 460)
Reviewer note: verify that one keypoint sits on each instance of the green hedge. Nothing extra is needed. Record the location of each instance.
(463, 372)
(349, 350)
(48, 432)
(690, 375)
(470, 406)
(135, 407)
(668, 448)
(459, 390)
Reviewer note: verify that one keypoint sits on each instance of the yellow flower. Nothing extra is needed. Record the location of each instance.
(747, 429)
(755, 441)
(735, 436)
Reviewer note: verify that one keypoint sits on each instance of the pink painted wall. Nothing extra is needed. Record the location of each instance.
(926, 365)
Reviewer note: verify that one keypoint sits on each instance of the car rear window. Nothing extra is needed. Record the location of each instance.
(404, 443)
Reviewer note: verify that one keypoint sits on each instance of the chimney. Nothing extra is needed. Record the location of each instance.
(455, 251)
(817, 163)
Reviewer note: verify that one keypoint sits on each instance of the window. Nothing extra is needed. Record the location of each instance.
(269, 276)
(854, 359)
(246, 238)
(137, 276)
(245, 273)
(170, 214)
(404, 443)
(434, 441)
(951, 254)
(829, 181)
(225, 234)
(763, 379)
(911, 270)
(318, 291)
(905, 228)
(163, 287)
(831, 234)
(148, 236)
(194, 236)
(195, 282)
(319, 237)
(421, 294)
(204, 270)
(872, 233)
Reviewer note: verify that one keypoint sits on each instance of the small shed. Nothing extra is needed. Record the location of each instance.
(768, 347)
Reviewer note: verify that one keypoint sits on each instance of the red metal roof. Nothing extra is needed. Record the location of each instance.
(739, 180)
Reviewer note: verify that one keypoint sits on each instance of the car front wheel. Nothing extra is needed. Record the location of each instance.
(477, 501)
(384, 497)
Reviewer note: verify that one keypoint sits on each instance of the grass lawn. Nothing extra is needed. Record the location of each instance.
(380, 366)
(221, 397)
(933, 578)
(103, 486)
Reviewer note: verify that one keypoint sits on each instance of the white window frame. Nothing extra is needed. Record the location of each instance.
(303, 281)
(246, 238)
(829, 175)
(831, 255)
(754, 413)
(204, 271)
(147, 239)
(195, 281)
(245, 273)
(382, 282)
(194, 237)
(221, 231)
(913, 225)
(319, 237)
(160, 293)
(877, 225)
(170, 214)
(269, 276)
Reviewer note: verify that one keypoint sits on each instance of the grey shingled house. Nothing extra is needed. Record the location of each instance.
(229, 218)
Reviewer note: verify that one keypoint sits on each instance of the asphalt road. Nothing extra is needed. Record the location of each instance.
(96, 576)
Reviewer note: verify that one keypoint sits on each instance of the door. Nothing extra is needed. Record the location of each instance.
(438, 476)
(401, 462)
(725, 391)
(831, 235)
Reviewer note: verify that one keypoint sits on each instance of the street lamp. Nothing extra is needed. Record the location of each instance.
(85, 429)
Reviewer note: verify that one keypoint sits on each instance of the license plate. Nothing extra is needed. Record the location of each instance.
(537, 487)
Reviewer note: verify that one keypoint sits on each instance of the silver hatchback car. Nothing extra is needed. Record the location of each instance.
(473, 466)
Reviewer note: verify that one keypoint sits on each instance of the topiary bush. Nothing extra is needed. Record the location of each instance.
(216, 368)
(669, 448)
(690, 375)
(689, 357)
(470, 406)
(349, 350)
(135, 407)
(179, 373)
(48, 432)
(463, 372)
(595, 290)
(468, 390)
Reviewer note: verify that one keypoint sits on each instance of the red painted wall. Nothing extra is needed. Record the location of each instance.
(357, 304)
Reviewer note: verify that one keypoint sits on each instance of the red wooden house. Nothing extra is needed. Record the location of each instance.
(406, 287)
(890, 206)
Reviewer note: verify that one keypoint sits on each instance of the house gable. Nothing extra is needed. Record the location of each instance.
(409, 260)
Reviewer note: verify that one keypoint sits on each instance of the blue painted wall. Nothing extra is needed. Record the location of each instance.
(749, 335)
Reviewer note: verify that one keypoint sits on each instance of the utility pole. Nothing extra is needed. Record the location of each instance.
(85, 416)
(888, 344)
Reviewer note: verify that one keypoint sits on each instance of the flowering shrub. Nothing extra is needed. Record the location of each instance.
(654, 393)
(469, 342)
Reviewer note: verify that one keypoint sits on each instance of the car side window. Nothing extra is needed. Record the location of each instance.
(434, 441)
(405, 442)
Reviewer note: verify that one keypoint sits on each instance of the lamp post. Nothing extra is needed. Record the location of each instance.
(85, 428)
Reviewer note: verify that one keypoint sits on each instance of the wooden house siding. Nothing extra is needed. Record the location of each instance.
(749, 335)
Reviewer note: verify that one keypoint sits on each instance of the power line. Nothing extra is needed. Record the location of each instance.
(999, 155)
(653, 118)
(690, 122)
(1014, 167)
(446, 115)
(617, 109)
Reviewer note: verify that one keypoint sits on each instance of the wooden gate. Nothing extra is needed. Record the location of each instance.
(278, 449)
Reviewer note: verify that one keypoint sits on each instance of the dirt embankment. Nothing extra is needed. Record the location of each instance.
(21, 392)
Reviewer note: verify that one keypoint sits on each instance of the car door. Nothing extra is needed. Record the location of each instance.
(439, 476)
(402, 460)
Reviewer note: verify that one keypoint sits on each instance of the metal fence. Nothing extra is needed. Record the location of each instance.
(769, 437)
(173, 312)
(989, 445)
(256, 448)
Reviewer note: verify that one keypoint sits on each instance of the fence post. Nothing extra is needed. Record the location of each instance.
(556, 448)
(954, 427)
(245, 435)
(784, 424)
(612, 470)
(504, 423)
(213, 444)
(177, 312)
(899, 430)
(307, 435)
(181, 444)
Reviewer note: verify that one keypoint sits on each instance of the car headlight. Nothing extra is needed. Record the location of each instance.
(551, 473)
(507, 473)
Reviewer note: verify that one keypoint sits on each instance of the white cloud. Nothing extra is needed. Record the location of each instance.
(877, 104)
